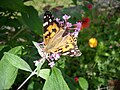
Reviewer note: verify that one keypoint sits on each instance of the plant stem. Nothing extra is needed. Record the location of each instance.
(33, 73)
(18, 33)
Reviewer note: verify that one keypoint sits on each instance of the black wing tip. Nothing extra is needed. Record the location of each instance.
(48, 15)
(47, 12)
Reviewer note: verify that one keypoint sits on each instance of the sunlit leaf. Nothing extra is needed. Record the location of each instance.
(17, 62)
(83, 83)
(44, 73)
(55, 81)
(16, 50)
(8, 72)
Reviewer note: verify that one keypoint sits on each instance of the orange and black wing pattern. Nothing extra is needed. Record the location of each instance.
(51, 27)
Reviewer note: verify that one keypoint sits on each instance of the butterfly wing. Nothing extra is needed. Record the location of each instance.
(72, 47)
(56, 39)
(51, 27)
(68, 46)
(72, 51)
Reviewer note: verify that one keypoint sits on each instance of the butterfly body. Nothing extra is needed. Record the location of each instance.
(56, 40)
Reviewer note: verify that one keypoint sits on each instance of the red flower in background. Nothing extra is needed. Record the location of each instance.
(89, 6)
(76, 79)
(85, 23)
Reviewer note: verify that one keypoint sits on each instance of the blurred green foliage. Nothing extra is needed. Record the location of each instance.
(21, 23)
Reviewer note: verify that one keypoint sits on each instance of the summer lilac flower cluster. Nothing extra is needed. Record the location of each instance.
(69, 26)
(66, 26)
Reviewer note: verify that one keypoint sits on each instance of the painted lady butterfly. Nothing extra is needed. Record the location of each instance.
(56, 39)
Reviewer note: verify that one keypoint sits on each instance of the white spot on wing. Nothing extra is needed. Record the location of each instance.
(72, 50)
(72, 55)
(50, 20)
(44, 17)
(44, 24)
(66, 53)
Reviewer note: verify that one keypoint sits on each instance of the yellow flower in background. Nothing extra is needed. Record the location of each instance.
(93, 42)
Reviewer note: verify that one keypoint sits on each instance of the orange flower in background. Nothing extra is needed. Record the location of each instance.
(93, 42)
(85, 23)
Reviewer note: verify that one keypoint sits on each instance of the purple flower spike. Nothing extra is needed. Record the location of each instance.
(51, 57)
(57, 56)
(54, 56)
(57, 19)
(68, 24)
(66, 17)
(61, 23)
(51, 64)
(75, 33)
(78, 26)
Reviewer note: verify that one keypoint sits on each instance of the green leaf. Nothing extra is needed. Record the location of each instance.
(13, 23)
(55, 81)
(61, 63)
(32, 20)
(17, 62)
(16, 5)
(2, 46)
(83, 83)
(71, 83)
(2, 20)
(44, 73)
(118, 21)
(31, 86)
(42, 60)
(75, 2)
(16, 50)
(8, 72)
(39, 49)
